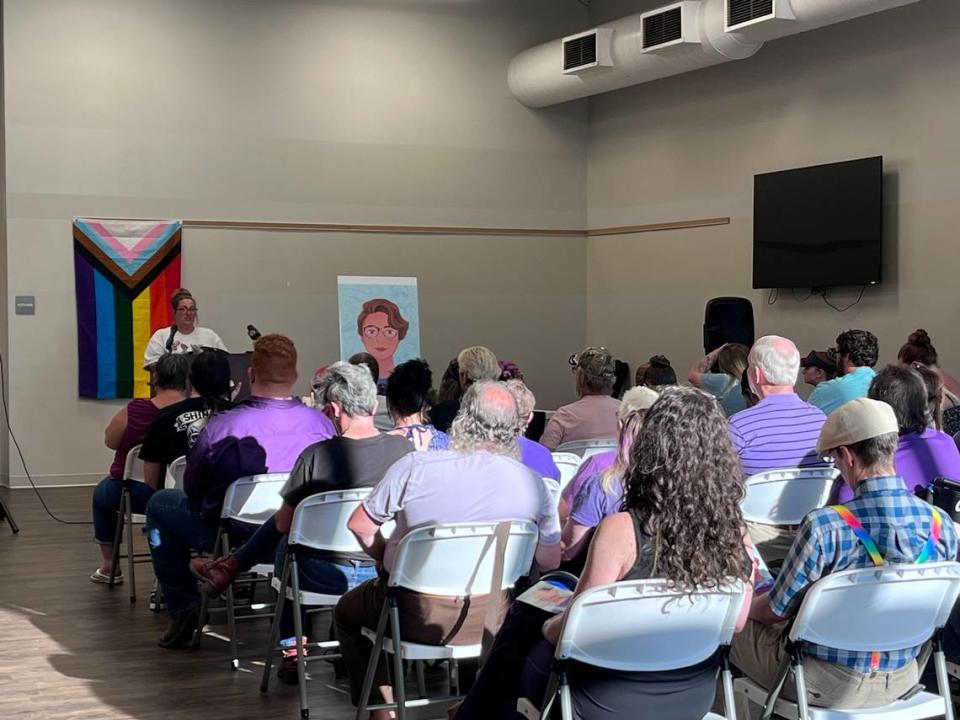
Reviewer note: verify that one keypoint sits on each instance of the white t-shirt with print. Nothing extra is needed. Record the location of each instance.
(201, 337)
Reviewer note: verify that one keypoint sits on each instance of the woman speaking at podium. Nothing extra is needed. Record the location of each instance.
(184, 335)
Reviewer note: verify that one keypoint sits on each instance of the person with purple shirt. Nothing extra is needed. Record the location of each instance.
(532, 454)
(266, 433)
(601, 493)
(923, 452)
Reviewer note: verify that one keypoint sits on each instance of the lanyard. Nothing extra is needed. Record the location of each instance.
(926, 554)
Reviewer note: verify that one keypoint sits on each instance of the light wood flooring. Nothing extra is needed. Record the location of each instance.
(73, 649)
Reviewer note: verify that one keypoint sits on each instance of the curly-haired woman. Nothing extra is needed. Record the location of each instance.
(683, 490)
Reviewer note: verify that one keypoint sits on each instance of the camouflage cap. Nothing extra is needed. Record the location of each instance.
(595, 361)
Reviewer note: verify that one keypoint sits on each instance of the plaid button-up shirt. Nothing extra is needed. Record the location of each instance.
(899, 524)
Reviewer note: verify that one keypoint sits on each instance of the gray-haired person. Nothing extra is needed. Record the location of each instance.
(357, 456)
(480, 479)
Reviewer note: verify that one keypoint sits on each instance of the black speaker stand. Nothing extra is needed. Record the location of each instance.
(5, 514)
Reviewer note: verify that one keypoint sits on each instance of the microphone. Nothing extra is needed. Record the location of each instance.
(253, 333)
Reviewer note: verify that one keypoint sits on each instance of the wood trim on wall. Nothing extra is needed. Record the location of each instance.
(443, 229)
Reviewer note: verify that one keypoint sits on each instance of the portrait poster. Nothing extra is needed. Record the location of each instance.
(381, 316)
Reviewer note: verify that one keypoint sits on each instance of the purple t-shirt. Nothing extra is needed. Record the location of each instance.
(592, 504)
(921, 457)
(593, 465)
(536, 457)
(780, 431)
(260, 435)
(448, 486)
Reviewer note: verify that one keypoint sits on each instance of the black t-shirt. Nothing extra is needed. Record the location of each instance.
(342, 464)
(174, 431)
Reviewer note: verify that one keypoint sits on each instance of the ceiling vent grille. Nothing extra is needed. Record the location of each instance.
(670, 26)
(747, 14)
(587, 50)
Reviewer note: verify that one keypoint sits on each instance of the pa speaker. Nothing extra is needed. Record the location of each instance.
(727, 320)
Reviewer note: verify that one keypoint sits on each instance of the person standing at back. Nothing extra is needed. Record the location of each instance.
(594, 415)
(857, 353)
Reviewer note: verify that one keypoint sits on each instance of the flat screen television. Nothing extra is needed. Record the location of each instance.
(818, 227)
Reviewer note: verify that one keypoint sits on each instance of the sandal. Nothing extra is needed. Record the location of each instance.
(104, 578)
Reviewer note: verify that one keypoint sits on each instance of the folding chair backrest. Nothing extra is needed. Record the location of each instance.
(133, 465)
(254, 499)
(784, 497)
(458, 559)
(892, 607)
(643, 626)
(175, 472)
(586, 448)
(320, 521)
(568, 464)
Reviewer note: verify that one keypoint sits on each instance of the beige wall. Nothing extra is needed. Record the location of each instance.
(346, 111)
(689, 146)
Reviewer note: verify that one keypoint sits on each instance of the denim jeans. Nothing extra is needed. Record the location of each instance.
(260, 545)
(320, 576)
(106, 501)
(173, 529)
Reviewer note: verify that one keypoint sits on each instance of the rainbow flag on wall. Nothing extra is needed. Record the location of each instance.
(125, 272)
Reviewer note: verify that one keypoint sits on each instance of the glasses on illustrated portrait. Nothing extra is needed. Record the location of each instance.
(372, 331)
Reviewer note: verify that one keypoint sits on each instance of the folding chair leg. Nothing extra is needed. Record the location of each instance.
(729, 699)
(298, 631)
(275, 628)
(566, 701)
(550, 696)
(421, 682)
(231, 609)
(399, 688)
(372, 665)
(940, 665)
(801, 691)
(198, 633)
(131, 560)
(455, 676)
(117, 535)
(782, 673)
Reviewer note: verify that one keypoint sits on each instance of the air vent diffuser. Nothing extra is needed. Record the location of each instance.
(587, 50)
(670, 26)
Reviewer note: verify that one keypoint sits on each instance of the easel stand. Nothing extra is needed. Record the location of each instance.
(5, 514)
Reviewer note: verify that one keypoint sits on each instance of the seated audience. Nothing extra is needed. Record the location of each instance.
(819, 366)
(602, 493)
(491, 486)
(919, 351)
(473, 364)
(861, 437)
(621, 382)
(408, 391)
(923, 453)
(656, 373)
(780, 431)
(857, 353)
(127, 429)
(748, 397)
(509, 371)
(935, 388)
(532, 454)
(594, 415)
(719, 374)
(681, 456)
(265, 433)
(176, 428)
(382, 419)
(357, 457)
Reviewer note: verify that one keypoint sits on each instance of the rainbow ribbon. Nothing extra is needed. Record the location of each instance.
(929, 548)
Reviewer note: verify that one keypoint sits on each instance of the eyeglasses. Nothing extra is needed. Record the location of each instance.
(372, 331)
(187, 310)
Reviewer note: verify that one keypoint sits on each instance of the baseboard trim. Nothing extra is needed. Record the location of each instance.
(20, 482)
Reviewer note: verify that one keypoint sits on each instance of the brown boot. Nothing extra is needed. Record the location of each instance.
(217, 575)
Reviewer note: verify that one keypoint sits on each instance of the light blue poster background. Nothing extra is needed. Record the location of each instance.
(353, 292)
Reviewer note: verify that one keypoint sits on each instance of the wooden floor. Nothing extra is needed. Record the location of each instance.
(73, 649)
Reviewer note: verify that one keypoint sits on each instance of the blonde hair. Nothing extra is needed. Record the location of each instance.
(630, 428)
(732, 361)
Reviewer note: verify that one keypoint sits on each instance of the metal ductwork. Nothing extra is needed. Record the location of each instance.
(676, 38)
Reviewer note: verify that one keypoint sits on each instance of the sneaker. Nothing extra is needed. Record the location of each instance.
(157, 603)
(217, 574)
(287, 672)
(104, 578)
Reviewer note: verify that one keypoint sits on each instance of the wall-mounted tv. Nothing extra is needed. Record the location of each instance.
(818, 227)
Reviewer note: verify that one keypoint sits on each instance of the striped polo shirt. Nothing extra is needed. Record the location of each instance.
(780, 431)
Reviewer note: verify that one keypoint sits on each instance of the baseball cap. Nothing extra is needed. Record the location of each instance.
(823, 359)
(854, 421)
(595, 361)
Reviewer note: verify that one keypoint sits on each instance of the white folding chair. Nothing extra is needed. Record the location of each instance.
(785, 496)
(132, 472)
(319, 523)
(587, 448)
(642, 626)
(865, 610)
(252, 500)
(174, 478)
(568, 464)
(452, 560)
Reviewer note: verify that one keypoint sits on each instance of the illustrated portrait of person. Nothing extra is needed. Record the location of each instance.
(382, 328)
